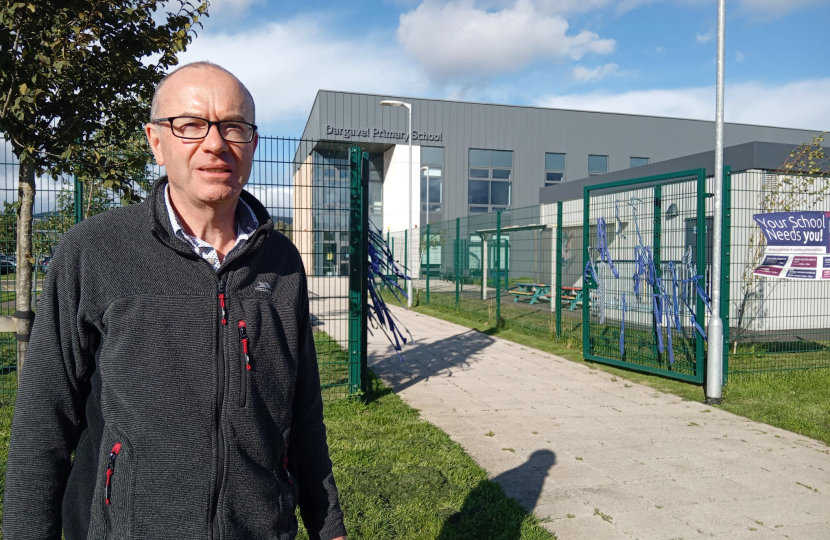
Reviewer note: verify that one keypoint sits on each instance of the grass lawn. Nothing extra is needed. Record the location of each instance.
(400, 477)
(796, 400)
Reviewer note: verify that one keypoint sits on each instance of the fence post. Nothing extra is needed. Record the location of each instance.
(428, 238)
(586, 290)
(658, 193)
(498, 267)
(79, 200)
(726, 251)
(358, 248)
(406, 267)
(700, 268)
(557, 294)
(507, 265)
(457, 262)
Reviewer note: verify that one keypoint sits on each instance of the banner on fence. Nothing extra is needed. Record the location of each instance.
(797, 245)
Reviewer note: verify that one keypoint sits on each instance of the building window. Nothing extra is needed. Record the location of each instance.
(376, 189)
(637, 162)
(597, 165)
(490, 180)
(432, 184)
(554, 168)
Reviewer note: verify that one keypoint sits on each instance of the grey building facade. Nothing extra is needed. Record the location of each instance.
(529, 147)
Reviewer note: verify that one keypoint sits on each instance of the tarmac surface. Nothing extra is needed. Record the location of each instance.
(601, 458)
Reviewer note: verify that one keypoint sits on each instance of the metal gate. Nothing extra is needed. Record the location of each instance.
(646, 274)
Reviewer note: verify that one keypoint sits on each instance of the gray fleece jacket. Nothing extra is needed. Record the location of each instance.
(136, 367)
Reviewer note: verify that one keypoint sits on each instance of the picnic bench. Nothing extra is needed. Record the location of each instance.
(536, 292)
(572, 294)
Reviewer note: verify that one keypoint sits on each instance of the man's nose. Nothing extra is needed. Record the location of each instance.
(213, 141)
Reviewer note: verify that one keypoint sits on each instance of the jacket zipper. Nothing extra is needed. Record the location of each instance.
(116, 449)
(220, 437)
(243, 373)
(285, 465)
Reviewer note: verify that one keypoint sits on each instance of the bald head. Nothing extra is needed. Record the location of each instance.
(207, 67)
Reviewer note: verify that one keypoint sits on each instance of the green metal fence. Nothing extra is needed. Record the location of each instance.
(775, 324)
(524, 268)
(641, 238)
(315, 194)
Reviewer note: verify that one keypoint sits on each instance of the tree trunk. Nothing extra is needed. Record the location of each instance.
(23, 278)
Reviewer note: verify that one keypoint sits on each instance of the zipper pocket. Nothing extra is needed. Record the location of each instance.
(116, 449)
(246, 366)
(222, 301)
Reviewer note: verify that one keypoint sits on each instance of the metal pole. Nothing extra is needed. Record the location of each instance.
(428, 267)
(409, 223)
(714, 363)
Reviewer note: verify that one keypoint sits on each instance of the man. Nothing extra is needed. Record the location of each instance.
(172, 353)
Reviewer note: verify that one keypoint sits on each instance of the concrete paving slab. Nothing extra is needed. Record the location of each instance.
(654, 466)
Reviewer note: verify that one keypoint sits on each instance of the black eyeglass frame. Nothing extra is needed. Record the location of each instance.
(210, 124)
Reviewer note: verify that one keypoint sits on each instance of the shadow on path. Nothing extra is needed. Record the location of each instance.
(488, 513)
(423, 360)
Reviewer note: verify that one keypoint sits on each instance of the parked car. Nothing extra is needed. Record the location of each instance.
(44, 263)
(8, 264)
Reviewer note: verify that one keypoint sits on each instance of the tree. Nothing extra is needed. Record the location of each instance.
(799, 184)
(75, 78)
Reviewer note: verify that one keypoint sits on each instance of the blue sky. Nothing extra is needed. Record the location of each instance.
(639, 56)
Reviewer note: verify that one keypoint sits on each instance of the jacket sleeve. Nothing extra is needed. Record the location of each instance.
(308, 450)
(49, 411)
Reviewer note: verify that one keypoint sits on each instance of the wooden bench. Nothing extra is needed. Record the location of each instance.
(574, 296)
(536, 292)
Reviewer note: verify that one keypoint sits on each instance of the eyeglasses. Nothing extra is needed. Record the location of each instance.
(193, 128)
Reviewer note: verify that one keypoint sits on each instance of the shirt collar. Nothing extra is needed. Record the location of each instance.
(246, 221)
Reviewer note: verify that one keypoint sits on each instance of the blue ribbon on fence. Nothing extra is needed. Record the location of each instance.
(602, 246)
(646, 270)
(674, 285)
(622, 327)
(657, 301)
(694, 278)
(382, 267)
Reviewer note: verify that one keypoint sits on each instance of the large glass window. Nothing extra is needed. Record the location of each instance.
(637, 162)
(489, 183)
(554, 168)
(597, 165)
(432, 184)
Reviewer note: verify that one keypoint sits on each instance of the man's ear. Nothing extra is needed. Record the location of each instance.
(155, 143)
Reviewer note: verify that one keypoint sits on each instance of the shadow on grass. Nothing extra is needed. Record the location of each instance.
(478, 518)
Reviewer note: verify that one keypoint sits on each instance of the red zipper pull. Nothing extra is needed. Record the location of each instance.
(116, 449)
(222, 302)
(243, 337)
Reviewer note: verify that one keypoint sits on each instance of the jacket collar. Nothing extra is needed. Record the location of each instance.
(163, 230)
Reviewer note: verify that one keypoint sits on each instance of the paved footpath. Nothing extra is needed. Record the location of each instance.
(600, 458)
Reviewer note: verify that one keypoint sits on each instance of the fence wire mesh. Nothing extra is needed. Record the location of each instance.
(523, 268)
(304, 185)
(636, 319)
(775, 324)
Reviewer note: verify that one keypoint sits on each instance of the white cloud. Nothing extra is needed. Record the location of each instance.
(584, 74)
(232, 8)
(285, 64)
(707, 37)
(740, 57)
(801, 104)
(457, 39)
